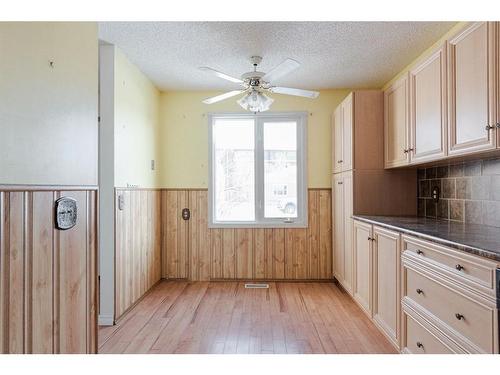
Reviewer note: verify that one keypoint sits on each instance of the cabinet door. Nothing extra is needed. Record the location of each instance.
(338, 222)
(386, 276)
(347, 125)
(363, 265)
(337, 140)
(396, 124)
(428, 108)
(348, 231)
(471, 94)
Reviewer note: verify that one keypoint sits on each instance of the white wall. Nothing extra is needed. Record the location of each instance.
(48, 115)
(129, 140)
(137, 125)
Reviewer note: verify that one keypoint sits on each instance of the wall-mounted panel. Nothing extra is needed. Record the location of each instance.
(138, 245)
(48, 282)
(193, 251)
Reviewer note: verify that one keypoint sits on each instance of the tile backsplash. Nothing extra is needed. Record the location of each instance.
(470, 192)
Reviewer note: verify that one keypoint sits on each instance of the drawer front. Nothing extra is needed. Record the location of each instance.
(478, 271)
(467, 317)
(419, 340)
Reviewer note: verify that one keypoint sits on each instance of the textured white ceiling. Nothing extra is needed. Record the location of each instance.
(332, 54)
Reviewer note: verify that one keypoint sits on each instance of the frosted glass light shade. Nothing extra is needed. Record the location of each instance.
(256, 101)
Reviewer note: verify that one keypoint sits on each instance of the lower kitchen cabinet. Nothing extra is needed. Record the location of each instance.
(363, 265)
(424, 297)
(386, 276)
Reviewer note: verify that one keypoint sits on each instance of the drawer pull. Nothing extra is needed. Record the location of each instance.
(420, 345)
(420, 291)
(459, 316)
(459, 267)
(420, 252)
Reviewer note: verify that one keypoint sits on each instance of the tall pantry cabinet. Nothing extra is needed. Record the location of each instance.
(360, 185)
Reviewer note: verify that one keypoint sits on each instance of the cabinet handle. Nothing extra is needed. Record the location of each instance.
(498, 125)
(369, 238)
(405, 150)
(459, 316)
(420, 252)
(339, 183)
(340, 161)
(419, 291)
(420, 345)
(459, 267)
(489, 127)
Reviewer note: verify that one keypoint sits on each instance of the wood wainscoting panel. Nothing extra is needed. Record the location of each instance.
(48, 278)
(138, 245)
(191, 250)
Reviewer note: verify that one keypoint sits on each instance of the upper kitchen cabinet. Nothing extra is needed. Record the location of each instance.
(347, 127)
(471, 89)
(356, 136)
(396, 111)
(428, 108)
(342, 135)
(337, 157)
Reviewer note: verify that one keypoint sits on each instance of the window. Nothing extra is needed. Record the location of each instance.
(258, 170)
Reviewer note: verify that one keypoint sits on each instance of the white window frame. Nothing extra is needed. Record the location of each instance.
(260, 221)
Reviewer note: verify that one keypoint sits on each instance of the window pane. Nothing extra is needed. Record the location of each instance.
(280, 170)
(233, 145)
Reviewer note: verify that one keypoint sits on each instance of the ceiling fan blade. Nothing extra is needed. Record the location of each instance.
(287, 66)
(220, 75)
(296, 92)
(221, 97)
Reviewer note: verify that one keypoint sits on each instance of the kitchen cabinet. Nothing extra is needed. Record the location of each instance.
(347, 127)
(357, 131)
(432, 274)
(342, 135)
(363, 258)
(428, 118)
(471, 89)
(446, 105)
(342, 211)
(386, 276)
(359, 181)
(337, 140)
(396, 115)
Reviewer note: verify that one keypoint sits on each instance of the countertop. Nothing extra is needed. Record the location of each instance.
(482, 240)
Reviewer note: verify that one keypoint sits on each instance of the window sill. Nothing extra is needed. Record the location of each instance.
(276, 225)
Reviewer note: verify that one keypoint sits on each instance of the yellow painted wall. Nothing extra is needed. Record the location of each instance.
(136, 126)
(48, 114)
(426, 53)
(184, 134)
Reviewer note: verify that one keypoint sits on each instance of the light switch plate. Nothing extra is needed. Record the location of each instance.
(66, 213)
(121, 202)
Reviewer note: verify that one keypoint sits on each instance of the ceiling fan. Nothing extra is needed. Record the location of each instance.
(256, 83)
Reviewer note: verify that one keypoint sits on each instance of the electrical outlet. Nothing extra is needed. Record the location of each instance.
(152, 165)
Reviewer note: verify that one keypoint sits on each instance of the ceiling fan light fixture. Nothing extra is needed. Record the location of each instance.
(255, 101)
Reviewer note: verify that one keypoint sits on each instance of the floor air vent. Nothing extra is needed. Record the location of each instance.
(256, 286)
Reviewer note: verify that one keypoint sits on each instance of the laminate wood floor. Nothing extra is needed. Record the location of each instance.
(224, 317)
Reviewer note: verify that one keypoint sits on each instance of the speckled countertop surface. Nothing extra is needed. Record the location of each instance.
(477, 239)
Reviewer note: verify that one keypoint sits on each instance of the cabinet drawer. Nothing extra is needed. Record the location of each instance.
(479, 271)
(468, 318)
(419, 340)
